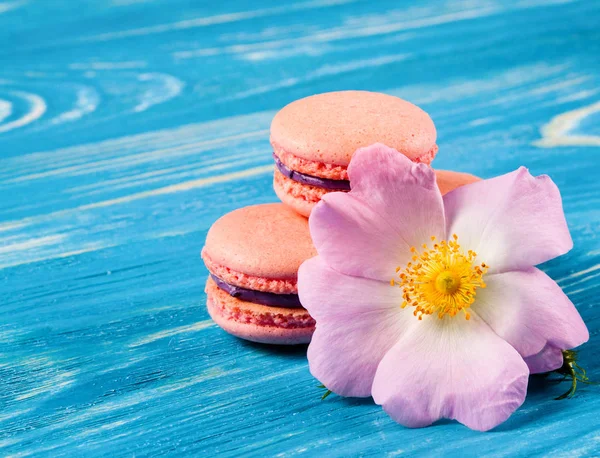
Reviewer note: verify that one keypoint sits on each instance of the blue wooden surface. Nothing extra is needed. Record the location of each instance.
(128, 126)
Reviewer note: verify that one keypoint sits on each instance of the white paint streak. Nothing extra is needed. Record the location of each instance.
(171, 173)
(214, 20)
(120, 162)
(323, 71)
(128, 2)
(31, 74)
(11, 226)
(580, 273)
(5, 110)
(8, 443)
(51, 247)
(53, 386)
(8, 6)
(460, 90)
(383, 26)
(185, 186)
(335, 69)
(37, 107)
(132, 361)
(138, 397)
(87, 102)
(173, 332)
(125, 65)
(588, 278)
(484, 121)
(269, 54)
(536, 3)
(576, 96)
(55, 254)
(32, 243)
(556, 132)
(13, 414)
(101, 429)
(35, 451)
(565, 84)
(166, 141)
(179, 233)
(50, 379)
(164, 88)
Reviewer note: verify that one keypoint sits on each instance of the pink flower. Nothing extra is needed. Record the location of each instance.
(432, 305)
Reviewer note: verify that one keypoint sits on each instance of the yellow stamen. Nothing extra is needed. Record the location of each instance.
(441, 280)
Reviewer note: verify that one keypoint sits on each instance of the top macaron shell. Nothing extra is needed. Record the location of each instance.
(268, 240)
(330, 127)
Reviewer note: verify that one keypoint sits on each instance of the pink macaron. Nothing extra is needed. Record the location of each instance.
(253, 255)
(314, 139)
(448, 180)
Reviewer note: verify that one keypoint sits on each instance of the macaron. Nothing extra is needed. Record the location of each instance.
(314, 138)
(448, 180)
(253, 255)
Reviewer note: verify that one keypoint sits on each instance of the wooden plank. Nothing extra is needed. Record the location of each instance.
(127, 127)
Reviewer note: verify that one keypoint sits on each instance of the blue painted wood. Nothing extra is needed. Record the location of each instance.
(128, 126)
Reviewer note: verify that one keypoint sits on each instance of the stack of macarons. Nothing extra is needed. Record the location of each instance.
(253, 254)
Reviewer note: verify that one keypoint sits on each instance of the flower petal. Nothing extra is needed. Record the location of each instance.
(358, 321)
(529, 310)
(549, 359)
(512, 222)
(354, 240)
(451, 368)
(394, 204)
(402, 192)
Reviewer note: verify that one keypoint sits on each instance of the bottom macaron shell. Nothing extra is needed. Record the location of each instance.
(258, 323)
(300, 197)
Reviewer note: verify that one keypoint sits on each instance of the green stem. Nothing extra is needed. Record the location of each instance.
(574, 371)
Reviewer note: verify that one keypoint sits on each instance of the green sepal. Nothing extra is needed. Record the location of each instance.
(327, 393)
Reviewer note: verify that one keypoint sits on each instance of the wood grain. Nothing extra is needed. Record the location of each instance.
(128, 126)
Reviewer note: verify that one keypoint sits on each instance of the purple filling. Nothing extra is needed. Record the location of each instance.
(290, 301)
(334, 185)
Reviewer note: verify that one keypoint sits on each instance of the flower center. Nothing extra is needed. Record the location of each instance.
(447, 282)
(442, 279)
